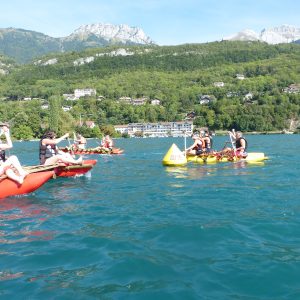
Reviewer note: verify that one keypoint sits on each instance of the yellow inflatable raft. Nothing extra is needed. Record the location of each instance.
(251, 157)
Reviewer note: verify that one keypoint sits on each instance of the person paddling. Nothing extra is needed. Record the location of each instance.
(80, 141)
(240, 142)
(10, 166)
(197, 147)
(107, 142)
(50, 154)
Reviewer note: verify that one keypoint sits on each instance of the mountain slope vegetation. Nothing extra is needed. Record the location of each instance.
(176, 75)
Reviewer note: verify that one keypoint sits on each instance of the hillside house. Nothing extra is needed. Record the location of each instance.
(126, 100)
(292, 89)
(69, 97)
(139, 101)
(248, 97)
(240, 76)
(219, 84)
(66, 108)
(155, 102)
(84, 92)
(205, 99)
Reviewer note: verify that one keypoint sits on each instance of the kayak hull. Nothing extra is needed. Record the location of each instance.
(75, 170)
(252, 157)
(92, 151)
(31, 183)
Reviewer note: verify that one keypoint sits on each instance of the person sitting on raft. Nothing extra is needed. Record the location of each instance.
(80, 142)
(208, 141)
(107, 142)
(49, 153)
(241, 144)
(197, 147)
(10, 166)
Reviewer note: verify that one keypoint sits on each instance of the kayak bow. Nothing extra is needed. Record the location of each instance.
(31, 182)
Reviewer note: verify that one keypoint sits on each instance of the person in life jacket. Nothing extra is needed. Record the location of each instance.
(10, 166)
(80, 141)
(107, 142)
(208, 142)
(197, 147)
(49, 153)
(241, 143)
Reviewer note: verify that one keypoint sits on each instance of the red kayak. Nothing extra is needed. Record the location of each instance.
(98, 150)
(31, 182)
(73, 170)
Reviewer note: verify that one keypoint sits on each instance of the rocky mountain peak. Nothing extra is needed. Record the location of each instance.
(275, 35)
(110, 32)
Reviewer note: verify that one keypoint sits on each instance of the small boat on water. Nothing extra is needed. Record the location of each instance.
(174, 157)
(216, 158)
(31, 183)
(97, 150)
(75, 170)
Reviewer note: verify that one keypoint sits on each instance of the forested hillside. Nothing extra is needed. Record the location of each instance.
(179, 76)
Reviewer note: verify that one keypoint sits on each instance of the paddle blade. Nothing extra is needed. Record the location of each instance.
(174, 157)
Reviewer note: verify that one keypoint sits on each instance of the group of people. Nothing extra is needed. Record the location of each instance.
(203, 145)
(49, 153)
(80, 142)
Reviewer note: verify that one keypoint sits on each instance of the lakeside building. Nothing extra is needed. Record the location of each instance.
(161, 129)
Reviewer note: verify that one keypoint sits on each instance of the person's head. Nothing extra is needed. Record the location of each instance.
(4, 126)
(238, 134)
(49, 134)
(195, 136)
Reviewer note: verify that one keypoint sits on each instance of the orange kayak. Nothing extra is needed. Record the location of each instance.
(31, 182)
(73, 170)
(98, 150)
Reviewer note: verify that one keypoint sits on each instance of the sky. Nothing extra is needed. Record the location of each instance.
(166, 22)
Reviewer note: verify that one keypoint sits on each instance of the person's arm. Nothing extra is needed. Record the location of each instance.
(55, 141)
(232, 134)
(8, 144)
(191, 147)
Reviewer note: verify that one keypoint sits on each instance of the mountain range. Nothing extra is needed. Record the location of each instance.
(275, 35)
(25, 45)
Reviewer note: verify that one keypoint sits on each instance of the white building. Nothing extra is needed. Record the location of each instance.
(139, 101)
(240, 76)
(84, 92)
(66, 108)
(219, 84)
(121, 128)
(155, 102)
(205, 99)
(161, 129)
(126, 100)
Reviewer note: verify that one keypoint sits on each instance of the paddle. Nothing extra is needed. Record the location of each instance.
(71, 148)
(232, 143)
(185, 143)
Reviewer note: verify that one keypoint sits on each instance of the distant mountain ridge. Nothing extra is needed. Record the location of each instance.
(275, 35)
(25, 45)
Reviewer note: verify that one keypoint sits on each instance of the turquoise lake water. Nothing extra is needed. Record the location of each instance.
(134, 229)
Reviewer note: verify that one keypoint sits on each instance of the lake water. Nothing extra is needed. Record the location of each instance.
(134, 229)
